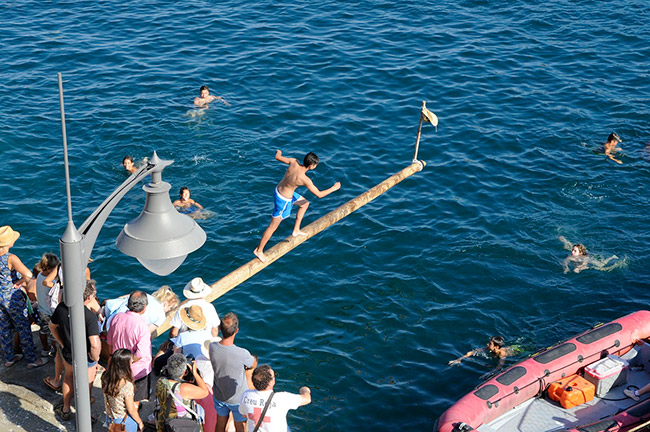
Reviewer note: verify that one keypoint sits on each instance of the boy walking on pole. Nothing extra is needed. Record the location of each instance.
(285, 196)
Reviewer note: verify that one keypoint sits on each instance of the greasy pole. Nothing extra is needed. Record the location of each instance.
(249, 269)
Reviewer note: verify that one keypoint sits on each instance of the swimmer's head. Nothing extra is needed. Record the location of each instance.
(579, 250)
(614, 137)
(496, 342)
(184, 193)
(205, 91)
(310, 160)
(127, 162)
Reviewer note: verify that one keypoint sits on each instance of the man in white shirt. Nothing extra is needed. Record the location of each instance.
(196, 291)
(253, 402)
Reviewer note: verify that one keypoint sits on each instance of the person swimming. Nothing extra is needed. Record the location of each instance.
(611, 146)
(205, 98)
(495, 347)
(185, 204)
(128, 164)
(581, 258)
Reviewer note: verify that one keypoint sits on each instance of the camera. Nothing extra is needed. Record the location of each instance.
(189, 375)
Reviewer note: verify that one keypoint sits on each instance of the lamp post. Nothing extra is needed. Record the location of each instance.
(160, 238)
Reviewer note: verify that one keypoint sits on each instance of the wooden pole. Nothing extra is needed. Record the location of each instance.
(417, 140)
(249, 269)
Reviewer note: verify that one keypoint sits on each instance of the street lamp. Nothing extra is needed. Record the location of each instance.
(160, 238)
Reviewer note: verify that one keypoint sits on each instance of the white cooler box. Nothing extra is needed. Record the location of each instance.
(607, 373)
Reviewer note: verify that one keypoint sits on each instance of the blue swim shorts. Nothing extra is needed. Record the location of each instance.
(283, 205)
(223, 409)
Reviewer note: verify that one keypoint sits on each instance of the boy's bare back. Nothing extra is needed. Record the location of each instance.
(294, 177)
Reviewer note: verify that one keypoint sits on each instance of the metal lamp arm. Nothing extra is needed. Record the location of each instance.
(94, 223)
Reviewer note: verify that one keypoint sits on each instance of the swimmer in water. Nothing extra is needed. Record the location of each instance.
(205, 98)
(128, 164)
(580, 257)
(285, 196)
(611, 146)
(494, 347)
(185, 201)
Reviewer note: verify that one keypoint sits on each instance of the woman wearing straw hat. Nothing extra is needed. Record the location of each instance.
(193, 344)
(13, 307)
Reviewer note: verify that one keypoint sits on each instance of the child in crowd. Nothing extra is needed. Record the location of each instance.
(44, 285)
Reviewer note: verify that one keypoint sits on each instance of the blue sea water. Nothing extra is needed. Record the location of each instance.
(369, 312)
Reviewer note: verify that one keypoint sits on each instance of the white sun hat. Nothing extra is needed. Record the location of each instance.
(196, 289)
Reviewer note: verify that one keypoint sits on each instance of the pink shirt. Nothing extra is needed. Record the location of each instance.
(129, 330)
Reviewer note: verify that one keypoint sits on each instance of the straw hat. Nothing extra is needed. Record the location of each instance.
(8, 236)
(193, 317)
(196, 289)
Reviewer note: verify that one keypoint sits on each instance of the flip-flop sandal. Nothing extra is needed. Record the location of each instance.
(36, 364)
(48, 383)
(17, 358)
(65, 416)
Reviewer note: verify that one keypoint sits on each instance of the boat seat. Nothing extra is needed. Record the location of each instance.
(639, 356)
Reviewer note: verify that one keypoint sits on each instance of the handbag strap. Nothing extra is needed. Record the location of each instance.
(188, 409)
(266, 407)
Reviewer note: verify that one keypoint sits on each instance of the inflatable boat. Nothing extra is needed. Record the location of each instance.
(537, 394)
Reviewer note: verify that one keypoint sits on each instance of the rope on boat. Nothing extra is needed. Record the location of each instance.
(254, 266)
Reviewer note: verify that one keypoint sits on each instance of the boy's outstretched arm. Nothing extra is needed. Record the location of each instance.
(566, 243)
(283, 159)
(460, 359)
(321, 193)
(222, 100)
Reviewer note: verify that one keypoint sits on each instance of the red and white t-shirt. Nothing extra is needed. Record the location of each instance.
(275, 419)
